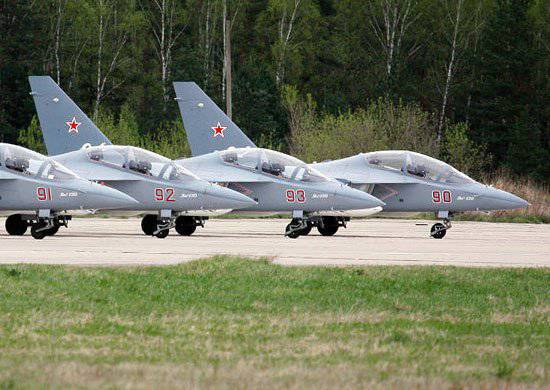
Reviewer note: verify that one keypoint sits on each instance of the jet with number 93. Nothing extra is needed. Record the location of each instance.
(405, 181)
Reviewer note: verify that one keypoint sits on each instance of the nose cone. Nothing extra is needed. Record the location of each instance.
(502, 200)
(347, 198)
(223, 198)
(102, 197)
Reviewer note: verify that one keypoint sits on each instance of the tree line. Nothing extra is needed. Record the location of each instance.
(473, 72)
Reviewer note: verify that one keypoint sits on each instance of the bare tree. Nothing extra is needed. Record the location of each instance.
(286, 25)
(207, 33)
(228, 20)
(57, 37)
(167, 26)
(392, 28)
(455, 23)
(107, 35)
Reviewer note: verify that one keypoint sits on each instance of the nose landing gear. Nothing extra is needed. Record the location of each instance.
(439, 230)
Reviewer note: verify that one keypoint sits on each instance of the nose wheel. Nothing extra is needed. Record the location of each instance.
(439, 230)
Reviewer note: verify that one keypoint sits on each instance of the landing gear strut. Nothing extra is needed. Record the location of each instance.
(41, 226)
(327, 226)
(153, 225)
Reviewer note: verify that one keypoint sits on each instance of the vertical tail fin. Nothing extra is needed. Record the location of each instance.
(65, 127)
(208, 128)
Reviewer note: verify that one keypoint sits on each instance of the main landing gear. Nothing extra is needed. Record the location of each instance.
(41, 227)
(439, 230)
(153, 225)
(327, 226)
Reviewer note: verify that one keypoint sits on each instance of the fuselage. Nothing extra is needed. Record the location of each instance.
(277, 182)
(411, 182)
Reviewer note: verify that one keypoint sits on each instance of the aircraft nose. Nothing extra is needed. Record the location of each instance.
(225, 198)
(348, 198)
(504, 200)
(103, 197)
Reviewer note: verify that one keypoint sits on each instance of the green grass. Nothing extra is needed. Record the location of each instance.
(229, 322)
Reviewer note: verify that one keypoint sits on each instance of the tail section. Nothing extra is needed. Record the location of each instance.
(208, 128)
(65, 127)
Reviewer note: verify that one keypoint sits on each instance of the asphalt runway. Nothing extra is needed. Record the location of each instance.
(97, 241)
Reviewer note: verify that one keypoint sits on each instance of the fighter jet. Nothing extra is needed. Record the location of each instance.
(404, 180)
(40, 190)
(169, 194)
(278, 182)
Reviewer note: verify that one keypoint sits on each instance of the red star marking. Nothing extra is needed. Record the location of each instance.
(73, 125)
(218, 130)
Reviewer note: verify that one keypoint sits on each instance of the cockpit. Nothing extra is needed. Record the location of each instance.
(139, 161)
(417, 165)
(272, 163)
(26, 162)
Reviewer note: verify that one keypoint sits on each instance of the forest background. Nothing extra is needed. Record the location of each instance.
(462, 80)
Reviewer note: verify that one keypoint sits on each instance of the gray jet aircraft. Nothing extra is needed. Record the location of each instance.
(278, 182)
(178, 197)
(41, 190)
(405, 181)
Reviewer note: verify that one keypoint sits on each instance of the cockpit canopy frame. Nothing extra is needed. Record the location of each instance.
(23, 161)
(138, 160)
(272, 163)
(417, 165)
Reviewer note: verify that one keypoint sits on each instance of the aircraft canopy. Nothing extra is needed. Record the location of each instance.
(417, 165)
(272, 163)
(24, 161)
(139, 160)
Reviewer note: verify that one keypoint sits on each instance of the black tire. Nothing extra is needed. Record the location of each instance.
(185, 226)
(305, 231)
(38, 235)
(53, 231)
(294, 234)
(438, 231)
(329, 227)
(162, 233)
(15, 226)
(149, 224)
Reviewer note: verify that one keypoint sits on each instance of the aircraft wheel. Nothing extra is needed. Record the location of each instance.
(329, 227)
(38, 235)
(53, 231)
(149, 224)
(438, 231)
(162, 233)
(15, 226)
(294, 234)
(185, 226)
(305, 231)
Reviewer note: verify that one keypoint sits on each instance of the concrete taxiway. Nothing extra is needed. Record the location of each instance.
(97, 241)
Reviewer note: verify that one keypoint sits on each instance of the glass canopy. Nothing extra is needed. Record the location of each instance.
(417, 165)
(26, 162)
(139, 161)
(272, 163)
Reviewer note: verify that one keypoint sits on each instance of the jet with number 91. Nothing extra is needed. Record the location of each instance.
(38, 192)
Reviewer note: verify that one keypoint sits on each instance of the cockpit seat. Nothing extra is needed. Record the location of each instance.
(17, 164)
